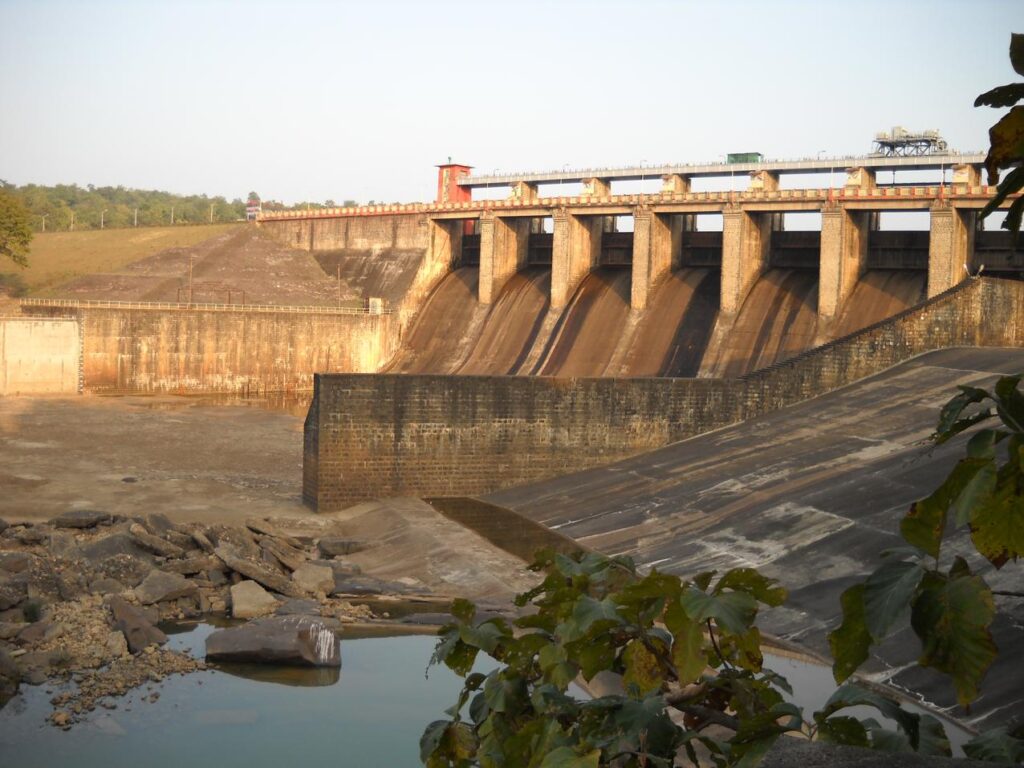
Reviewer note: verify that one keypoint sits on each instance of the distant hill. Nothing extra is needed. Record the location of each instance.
(57, 257)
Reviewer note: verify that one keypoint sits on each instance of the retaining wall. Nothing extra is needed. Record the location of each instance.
(142, 349)
(358, 233)
(39, 356)
(389, 435)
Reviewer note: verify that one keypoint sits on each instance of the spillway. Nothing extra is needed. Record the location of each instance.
(590, 327)
(778, 320)
(512, 325)
(439, 332)
(880, 294)
(672, 337)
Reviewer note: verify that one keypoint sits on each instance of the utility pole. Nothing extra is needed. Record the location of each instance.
(211, 213)
(102, 213)
(43, 217)
(72, 229)
(172, 215)
(136, 217)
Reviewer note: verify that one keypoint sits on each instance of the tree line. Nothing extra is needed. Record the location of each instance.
(69, 207)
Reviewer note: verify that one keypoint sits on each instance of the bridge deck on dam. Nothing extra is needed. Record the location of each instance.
(810, 495)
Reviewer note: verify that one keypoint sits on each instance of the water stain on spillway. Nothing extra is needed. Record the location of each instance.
(881, 294)
(672, 338)
(590, 325)
(512, 325)
(778, 320)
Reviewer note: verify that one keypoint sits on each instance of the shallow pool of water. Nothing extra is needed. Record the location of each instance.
(371, 714)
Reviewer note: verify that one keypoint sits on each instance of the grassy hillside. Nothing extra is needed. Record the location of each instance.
(57, 257)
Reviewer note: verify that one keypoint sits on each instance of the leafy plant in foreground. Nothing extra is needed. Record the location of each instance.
(951, 607)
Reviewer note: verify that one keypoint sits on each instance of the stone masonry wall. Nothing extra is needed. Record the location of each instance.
(385, 435)
(360, 233)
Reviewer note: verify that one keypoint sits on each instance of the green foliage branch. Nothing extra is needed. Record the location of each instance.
(15, 229)
(1006, 139)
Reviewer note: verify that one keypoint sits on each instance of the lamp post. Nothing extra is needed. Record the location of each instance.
(102, 214)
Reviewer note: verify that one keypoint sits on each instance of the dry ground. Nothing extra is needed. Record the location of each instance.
(202, 460)
(57, 257)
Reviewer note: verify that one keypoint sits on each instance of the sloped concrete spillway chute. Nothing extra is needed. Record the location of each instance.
(778, 320)
(808, 495)
(880, 294)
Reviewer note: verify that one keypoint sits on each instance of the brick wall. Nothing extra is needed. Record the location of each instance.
(386, 435)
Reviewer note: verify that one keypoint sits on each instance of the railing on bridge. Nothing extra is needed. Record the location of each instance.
(372, 308)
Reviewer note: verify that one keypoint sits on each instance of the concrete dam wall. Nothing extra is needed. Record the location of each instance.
(145, 348)
(372, 436)
(39, 356)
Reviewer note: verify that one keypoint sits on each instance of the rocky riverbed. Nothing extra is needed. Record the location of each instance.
(82, 596)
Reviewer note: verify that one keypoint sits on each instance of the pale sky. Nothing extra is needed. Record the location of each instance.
(318, 100)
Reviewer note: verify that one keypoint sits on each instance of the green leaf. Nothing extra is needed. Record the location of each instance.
(1006, 140)
(950, 423)
(852, 695)
(555, 666)
(887, 594)
(733, 611)
(503, 694)
(485, 636)
(585, 614)
(951, 616)
(1010, 401)
(997, 521)
(1017, 53)
(851, 641)
(463, 609)
(431, 738)
(642, 669)
(932, 738)
(566, 757)
(759, 587)
(996, 746)
(843, 729)
(890, 741)
(594, 656)
(1001, 96)
(978, 484)
(925, 522)
(688, 655)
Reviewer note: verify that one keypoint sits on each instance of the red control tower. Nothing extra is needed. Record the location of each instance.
(448, 189)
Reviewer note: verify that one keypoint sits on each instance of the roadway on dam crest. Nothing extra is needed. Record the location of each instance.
(809, 495)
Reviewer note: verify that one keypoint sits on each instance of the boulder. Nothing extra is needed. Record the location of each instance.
(298, 606)
(160, 586)
(202, 541)
(15, 562)
(34, 534)
(257, 572)
(119, 543)
(290, 557)
(82, 518)
(63, 544)
(13, 590)
(188, 566)
(138, 631)
(367, 585)
(4, 525)
(268, 529)
(293, 640)
(154, 544)
(249, 600)
(314, 578)
(10, 677)
(117, 644)
(334, 546)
